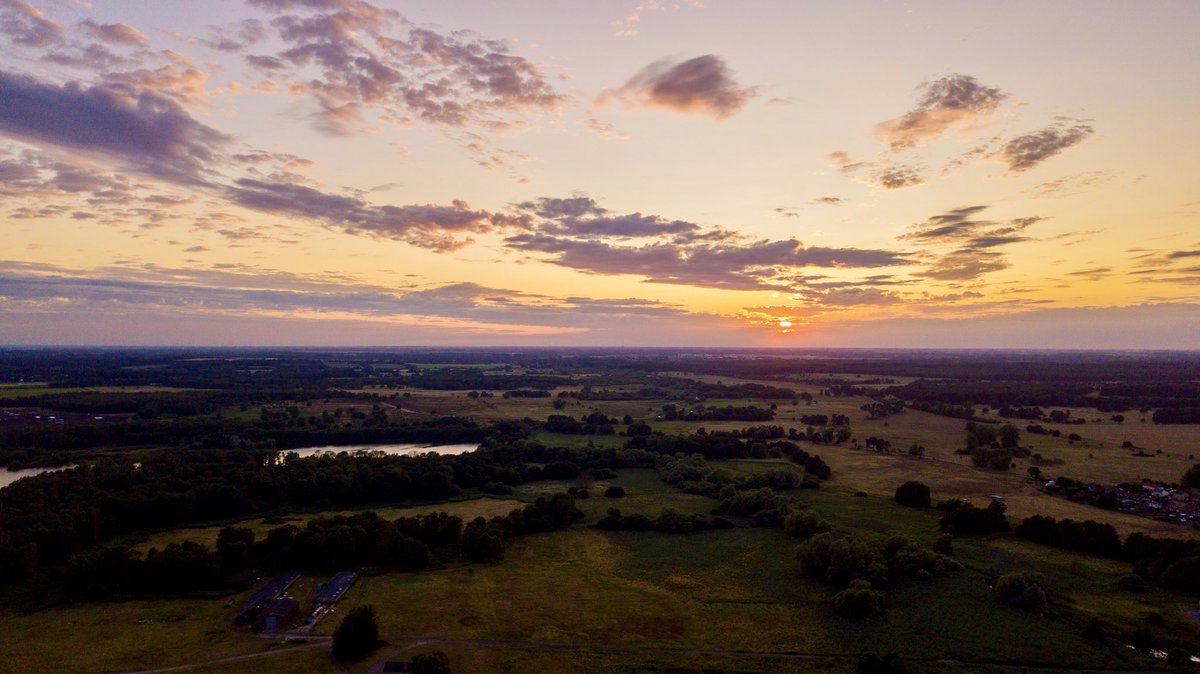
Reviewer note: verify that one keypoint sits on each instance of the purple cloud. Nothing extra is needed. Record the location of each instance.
(149, 130)
(429, 226)
(701, 85)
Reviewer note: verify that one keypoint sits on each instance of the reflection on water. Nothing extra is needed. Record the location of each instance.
(395, 450)
(8, 477)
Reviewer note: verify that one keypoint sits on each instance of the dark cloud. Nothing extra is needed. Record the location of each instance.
(571, 207)
(956, 100)
(115, 33)
(1180, 254)
(973, 238)
(25, 25)
(1025, 152)
(828, 201)
(758, 265)
(429, 226)
(960, 225)
(700, 85)
(149, 130)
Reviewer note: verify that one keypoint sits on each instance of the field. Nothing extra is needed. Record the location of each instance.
(638, 598)
(586, 600)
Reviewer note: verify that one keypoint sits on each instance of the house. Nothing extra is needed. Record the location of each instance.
(277, 615)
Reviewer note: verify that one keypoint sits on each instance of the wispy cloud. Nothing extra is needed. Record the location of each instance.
(949, 102)
(1027, 151)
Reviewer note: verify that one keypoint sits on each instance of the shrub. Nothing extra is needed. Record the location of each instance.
(614, 492)
(913, 494)
(430, 663)
(805, 524)
(1132, 583)
(1021, 590)
(857, 601)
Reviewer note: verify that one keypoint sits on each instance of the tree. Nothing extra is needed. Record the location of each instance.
(913, 494)
(430, 663)
(358, 634)
(1191, 479)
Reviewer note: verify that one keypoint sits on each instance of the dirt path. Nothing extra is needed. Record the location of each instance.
(320, 643)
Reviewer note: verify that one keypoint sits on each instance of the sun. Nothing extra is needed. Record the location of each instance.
(784, 323)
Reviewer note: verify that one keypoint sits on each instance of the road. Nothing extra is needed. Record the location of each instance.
(404, 642)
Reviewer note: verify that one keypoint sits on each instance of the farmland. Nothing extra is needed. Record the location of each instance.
(725, 592)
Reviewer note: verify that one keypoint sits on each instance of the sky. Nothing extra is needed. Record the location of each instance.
(609, 173)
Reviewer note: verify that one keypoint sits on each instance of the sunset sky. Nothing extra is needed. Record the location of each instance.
(692, 173)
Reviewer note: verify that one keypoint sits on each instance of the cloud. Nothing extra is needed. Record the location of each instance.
(430, 226)
(964, 265)
(702, 85)
(346, 58)
(148, 130)
(828, 201)
(27, 26)
(756, 265)
(898, 177)
(953, 101)
(186, 86)
(974, 239)
(115, 33)
(1027, 151)
(1071, 185)
(172, 295)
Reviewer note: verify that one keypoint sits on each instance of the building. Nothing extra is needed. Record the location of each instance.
(277, 615)
(331, 592)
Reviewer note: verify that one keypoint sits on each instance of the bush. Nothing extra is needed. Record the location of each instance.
(430, 663)
(913, 494)
(805, 524)
(614, 492)
(857, 601)
(1132, 583)
(870, 663)
(1021, 590)
(1191, 479)
(358, 634)
(1183, 576)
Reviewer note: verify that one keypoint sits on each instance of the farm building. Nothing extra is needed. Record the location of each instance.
(277, 615)
(331, 592)
(270, 590)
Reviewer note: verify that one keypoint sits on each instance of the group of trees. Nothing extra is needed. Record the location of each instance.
(964, 519)
(669, 521)
(324, 544)
(46, 519)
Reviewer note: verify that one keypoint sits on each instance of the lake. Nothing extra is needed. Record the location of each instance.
(395, 450)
